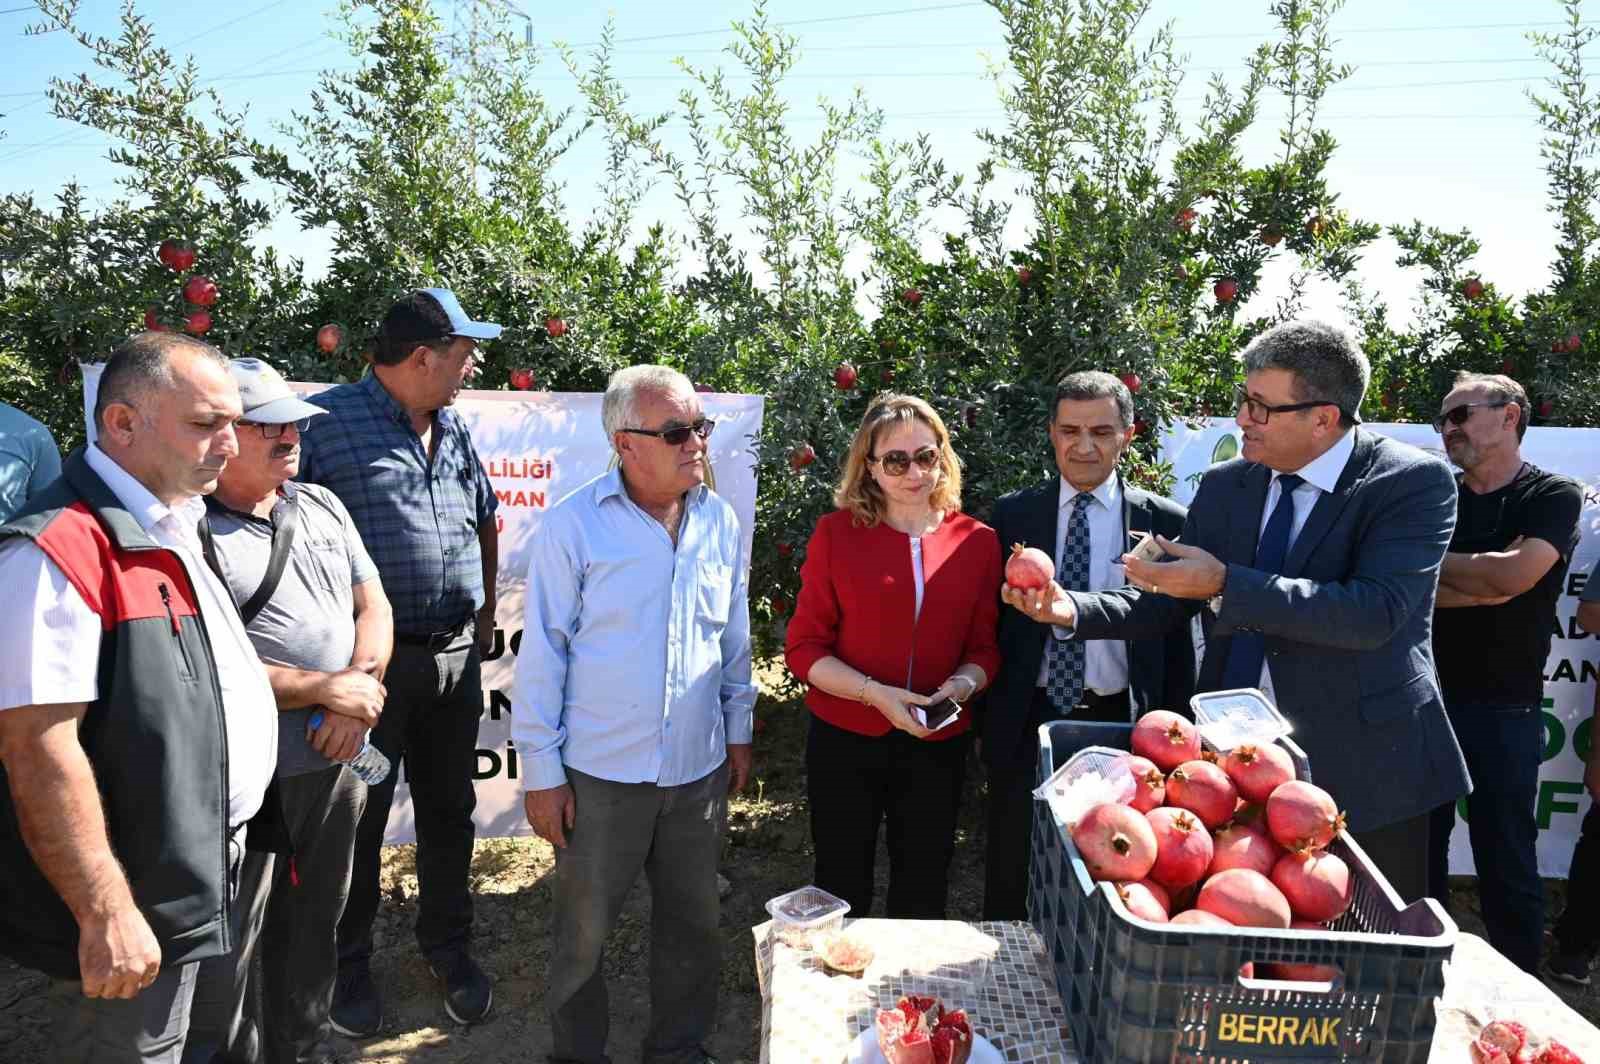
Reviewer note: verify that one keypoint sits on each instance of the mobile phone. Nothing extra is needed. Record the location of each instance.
(936, 715)
(1147, 549)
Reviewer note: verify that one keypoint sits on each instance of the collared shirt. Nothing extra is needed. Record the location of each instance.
(418, 516)
(1320, 476)
(635, 657)
(1105, 661)
(54, 663)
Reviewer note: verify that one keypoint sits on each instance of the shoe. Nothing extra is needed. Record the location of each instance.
(1570, 967)
(357, 1010)
(468, 997)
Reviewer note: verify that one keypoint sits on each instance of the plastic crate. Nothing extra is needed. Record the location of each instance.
(1140, 992)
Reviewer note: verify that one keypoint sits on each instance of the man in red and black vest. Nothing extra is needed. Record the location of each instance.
(138, 731)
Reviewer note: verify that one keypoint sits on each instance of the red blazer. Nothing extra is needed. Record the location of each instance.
(857, 603)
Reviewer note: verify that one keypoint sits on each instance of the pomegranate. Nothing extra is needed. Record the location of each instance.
(1488, 1053)
(1554, 1053)
(1183, 221)
(198, 323)
(1243, 845)
(1029, 568)
(1317, 884)
(200, 290)
(1165, 738)
(1116, 842)
(844, 376)
(151, 321)
(1146, 900)
(912, 296)
(1024, 275)
(1203, 789)
(802, 456)
(555, 327)
(1183, 847)
(1199, 918)
(1507, 1034)
(1226, 290)
(1302, 816)
(1472, 288)
(1258, 770)
(522, 379)
(1245, 898)
(1150, 786)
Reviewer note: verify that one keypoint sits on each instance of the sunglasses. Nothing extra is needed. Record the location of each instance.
(679, 436)
(273, 431)
(895, 463)
(1457, 415)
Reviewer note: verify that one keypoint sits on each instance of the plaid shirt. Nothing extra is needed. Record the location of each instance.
(419, 521)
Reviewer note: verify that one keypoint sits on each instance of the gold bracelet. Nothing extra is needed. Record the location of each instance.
(861, 694)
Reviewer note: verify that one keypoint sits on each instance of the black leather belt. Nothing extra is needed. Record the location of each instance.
(433, 640)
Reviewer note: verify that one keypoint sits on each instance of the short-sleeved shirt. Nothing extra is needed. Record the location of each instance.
(52, 659)
(309, 622)
(1591, 587)
(418, 516)
(1496, 654)
(29, 459)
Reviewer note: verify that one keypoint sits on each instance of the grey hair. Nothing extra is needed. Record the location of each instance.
(1095, 384)
(142, 365)
(1324, 361)
(619, 408)
(1501, 389)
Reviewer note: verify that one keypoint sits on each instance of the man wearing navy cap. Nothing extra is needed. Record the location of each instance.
(403, 464)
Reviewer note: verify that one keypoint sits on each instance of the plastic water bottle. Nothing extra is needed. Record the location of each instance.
(369, 763)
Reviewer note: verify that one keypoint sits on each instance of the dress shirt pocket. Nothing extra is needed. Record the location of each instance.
(328, 562)
(715, 594)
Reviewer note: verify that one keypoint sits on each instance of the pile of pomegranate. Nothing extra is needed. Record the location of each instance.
(1231, 841)
(1507, 1042)
(918, 1030)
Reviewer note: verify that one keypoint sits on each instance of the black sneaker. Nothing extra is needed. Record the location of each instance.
(1570, 967)
(467, 993)
(357, 1010)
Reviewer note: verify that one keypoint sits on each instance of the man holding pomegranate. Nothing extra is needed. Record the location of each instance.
(1516, 529)
(1087, 507)
(403, 463)
(1313, 561)
(632, 712)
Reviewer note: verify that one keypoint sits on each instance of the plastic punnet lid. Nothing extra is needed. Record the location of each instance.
(1227, 719)
(1092, 776)
(806, 907)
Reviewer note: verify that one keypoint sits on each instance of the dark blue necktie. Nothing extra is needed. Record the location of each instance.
(1249, 649)
(1064, 673)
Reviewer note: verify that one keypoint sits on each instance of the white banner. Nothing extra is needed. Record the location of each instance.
(537, 447)
(1574, 663)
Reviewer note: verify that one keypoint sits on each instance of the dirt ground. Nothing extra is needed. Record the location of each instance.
(767, 853)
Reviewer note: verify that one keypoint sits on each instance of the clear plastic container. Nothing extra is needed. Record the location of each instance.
(1227, 719)
(803, 915)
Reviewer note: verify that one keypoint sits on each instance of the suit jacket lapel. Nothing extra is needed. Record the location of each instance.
(1042, 525)
(1328, 507)
(1244, 520)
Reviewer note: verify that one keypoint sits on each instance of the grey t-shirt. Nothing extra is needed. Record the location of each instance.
(309, 623)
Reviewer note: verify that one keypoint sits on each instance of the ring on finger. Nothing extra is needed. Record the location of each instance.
(1155, 589)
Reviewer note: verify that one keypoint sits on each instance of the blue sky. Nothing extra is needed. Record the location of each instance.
(1434, 124)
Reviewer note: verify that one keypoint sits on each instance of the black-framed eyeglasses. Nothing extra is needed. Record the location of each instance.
(895, 463)
(679, 436)
(1260, 413)
(1457, 415)
(272, 430)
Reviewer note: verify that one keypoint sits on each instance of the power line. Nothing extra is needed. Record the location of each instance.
(859, 16)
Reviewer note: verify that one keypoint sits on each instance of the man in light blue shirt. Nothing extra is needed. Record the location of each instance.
(29, 459)
(632, 713)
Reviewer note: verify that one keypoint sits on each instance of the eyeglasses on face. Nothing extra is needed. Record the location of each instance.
(1457, 415)
(1260, 413)
(677, 437)
(895, 463)
(271, 431)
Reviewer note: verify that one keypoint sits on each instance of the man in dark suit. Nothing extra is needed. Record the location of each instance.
(1048, 676)
(1314, 560)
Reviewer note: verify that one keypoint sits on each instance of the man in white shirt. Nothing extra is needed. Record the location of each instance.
(1313, 560)
(138, 731)
(1083, 517)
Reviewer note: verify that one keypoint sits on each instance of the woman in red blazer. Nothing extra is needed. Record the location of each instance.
(897, 609)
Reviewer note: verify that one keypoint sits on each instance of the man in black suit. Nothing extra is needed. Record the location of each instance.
(1313, 560)
(1082, 518)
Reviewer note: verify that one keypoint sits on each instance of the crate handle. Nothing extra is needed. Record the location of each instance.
(1281, 975)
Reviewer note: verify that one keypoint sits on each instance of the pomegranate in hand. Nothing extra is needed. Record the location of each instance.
(1029, 568)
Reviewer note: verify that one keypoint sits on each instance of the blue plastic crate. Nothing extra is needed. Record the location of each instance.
(1136, 992)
